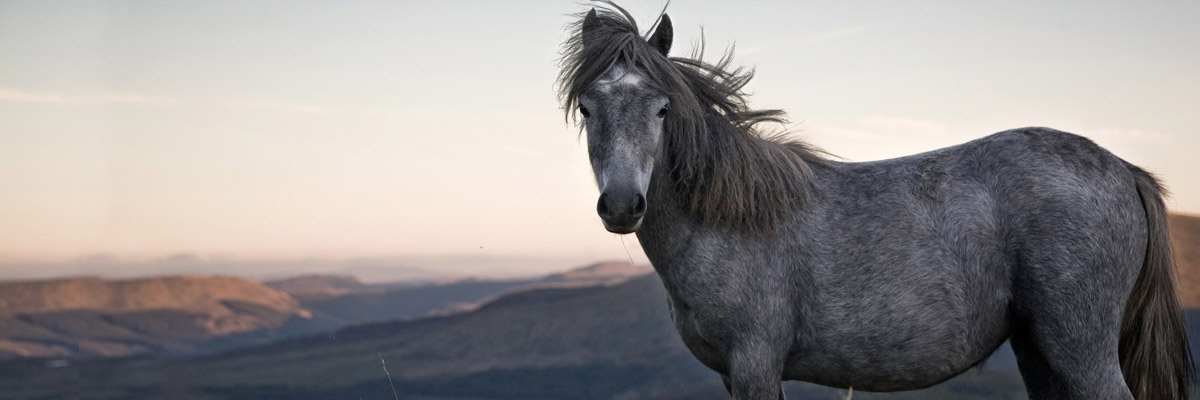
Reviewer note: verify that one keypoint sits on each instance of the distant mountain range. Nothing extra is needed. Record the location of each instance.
(319, 286)
(189, 315)
(597, 342)
(556, 337)
(95, 317)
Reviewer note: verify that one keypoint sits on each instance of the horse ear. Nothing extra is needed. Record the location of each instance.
(661, 39)
(590, 23)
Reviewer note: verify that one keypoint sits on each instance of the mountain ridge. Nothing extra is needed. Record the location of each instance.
(193, 314)
(91, 316)
(181, 292)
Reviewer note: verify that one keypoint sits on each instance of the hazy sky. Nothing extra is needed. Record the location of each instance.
(299, 130)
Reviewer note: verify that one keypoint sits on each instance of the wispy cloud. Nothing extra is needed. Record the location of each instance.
(134, 98)
(11, 95)
(840, 33)
(40, 97)
(878, 137)
(277, 105)
(821, 37)
(1135, 135)
(890, 128)
(19, 96)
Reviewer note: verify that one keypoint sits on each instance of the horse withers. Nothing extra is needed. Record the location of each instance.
(782, 264)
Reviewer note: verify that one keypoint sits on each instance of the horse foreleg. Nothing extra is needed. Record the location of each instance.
(729, 387)
(754, 375)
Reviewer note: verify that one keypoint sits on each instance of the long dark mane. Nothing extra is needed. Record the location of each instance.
(723, 167)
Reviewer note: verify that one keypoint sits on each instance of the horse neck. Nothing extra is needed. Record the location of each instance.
(662, 203)
(667, 223)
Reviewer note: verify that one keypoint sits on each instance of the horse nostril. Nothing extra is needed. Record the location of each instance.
(602, 206)
(632, 205)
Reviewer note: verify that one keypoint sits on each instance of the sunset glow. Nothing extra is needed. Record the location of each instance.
(424, 130)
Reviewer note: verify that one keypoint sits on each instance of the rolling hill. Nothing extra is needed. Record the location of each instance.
(319, 286)
(339, 301)
(189, 315)
(599, 342)
(96, 317)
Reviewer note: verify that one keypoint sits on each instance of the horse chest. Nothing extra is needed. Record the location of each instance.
(710, 318)
(719, 296)
(702, 332)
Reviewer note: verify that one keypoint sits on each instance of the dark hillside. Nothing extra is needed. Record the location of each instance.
(601, 342)
(1185, 241)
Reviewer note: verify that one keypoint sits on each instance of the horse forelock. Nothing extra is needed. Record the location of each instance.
(722, 167)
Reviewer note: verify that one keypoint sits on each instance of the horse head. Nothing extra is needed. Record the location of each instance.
(624, 115)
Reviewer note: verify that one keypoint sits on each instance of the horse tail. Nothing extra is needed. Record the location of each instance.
(1154, 353)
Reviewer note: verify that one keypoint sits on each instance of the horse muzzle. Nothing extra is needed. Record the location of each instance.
(622, 212)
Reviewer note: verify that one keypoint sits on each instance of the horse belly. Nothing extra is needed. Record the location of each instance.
(899, 349)
(883, 368)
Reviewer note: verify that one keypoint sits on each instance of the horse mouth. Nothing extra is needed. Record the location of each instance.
(622, 226)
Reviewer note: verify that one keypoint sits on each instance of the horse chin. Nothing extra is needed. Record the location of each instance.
(623, 227)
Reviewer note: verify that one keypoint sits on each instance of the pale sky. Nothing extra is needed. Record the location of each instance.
(281, 130)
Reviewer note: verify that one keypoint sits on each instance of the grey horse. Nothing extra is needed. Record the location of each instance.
(781, 263)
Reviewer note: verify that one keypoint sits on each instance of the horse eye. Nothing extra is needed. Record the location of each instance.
(662, 113)
(583, 110)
